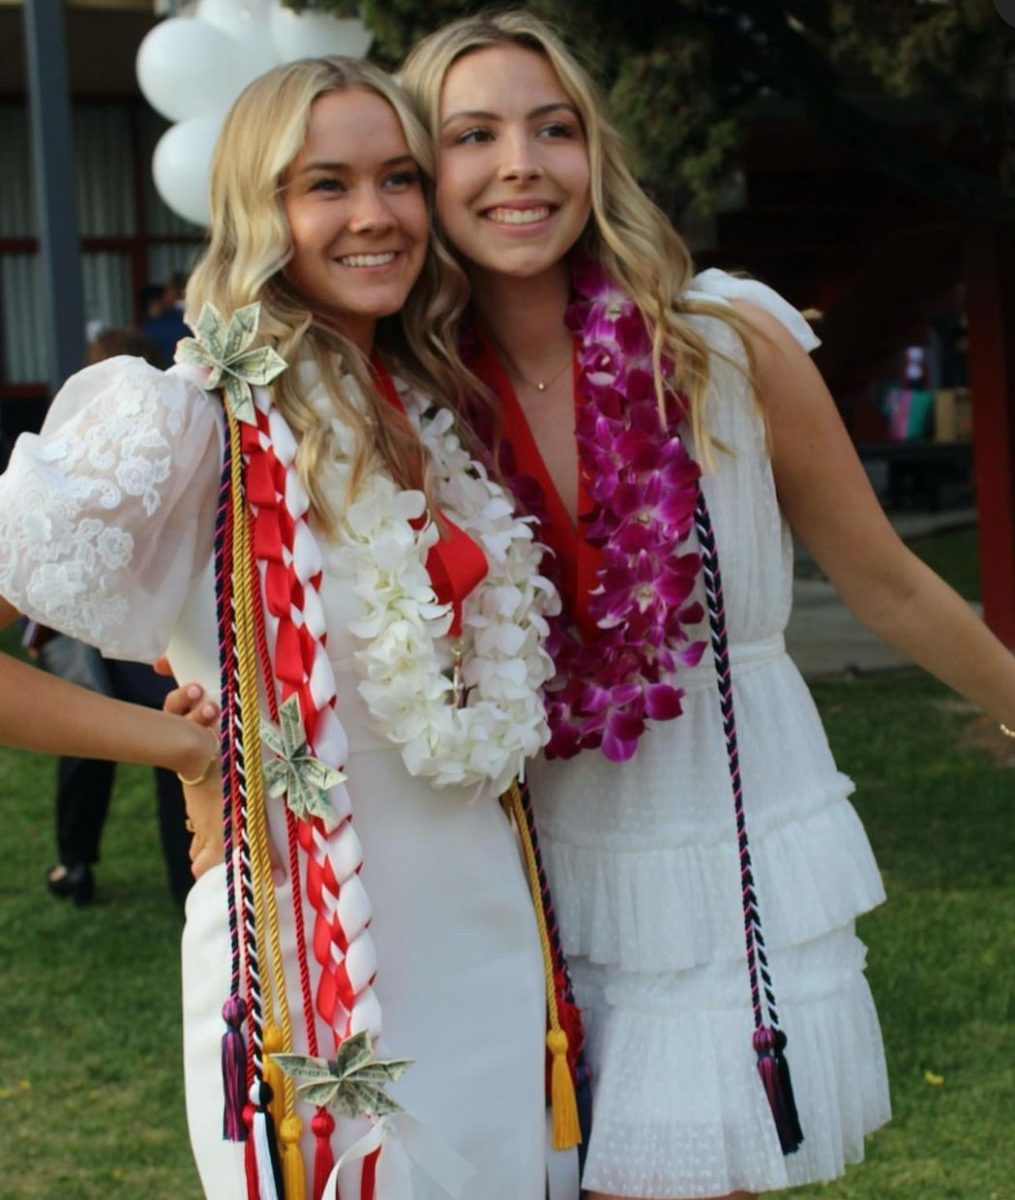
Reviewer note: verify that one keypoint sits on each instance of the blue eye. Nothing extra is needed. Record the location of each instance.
(327, 184)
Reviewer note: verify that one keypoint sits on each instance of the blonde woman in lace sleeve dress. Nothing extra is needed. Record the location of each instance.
(108, 531)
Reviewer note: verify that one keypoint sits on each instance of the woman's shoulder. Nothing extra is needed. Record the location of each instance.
(132, 392)
(750, 295)
(106, 514)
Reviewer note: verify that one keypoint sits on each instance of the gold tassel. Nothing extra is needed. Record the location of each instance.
(293, 1175)
(566, 1128)
(273, 1075)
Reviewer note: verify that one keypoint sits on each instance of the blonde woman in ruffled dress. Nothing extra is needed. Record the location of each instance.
(585, 320)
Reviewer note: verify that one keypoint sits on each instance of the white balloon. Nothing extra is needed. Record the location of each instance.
(310, 34)
(187, 69)
(230, 15)
(181, 166)
(248, 22)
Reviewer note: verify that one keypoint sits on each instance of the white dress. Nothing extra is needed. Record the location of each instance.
(642, 860)
(106, 526)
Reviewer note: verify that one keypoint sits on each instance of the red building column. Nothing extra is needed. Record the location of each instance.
(990, 312)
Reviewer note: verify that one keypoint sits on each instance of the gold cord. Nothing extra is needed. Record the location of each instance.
(566, 1127)
(276, 1037)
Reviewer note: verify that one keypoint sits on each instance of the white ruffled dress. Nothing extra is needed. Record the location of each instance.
(642, 860)
(106, 529)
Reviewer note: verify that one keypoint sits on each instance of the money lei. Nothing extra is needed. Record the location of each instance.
(221, 348)
(294, 772)
(352, 1083)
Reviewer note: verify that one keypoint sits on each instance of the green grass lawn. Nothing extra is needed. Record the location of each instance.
(91, 1099)
(955, 556)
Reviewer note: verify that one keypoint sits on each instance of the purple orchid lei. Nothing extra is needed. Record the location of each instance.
(644, 486)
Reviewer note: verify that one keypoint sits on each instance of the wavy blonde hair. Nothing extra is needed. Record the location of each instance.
(628, 235)
(250, 244)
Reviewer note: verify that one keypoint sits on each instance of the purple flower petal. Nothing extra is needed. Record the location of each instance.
(691, 654)
(662, 701)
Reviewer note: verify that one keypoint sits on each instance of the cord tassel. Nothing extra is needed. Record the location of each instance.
(234, 1069)
(561, 1012)
(794, 1128)
(322, 1123)
(769, 1041)
(269, 1169)
(773, 1068)
(272, 1073)
(293, 1175)
(250, 1154)
(566, 1126)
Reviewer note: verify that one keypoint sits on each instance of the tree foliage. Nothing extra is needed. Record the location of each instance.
(682, 77)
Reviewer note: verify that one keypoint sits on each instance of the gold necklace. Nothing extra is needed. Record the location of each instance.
(540, 385)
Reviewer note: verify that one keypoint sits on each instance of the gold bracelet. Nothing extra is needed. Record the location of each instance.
(204, 774)
(1006, 731)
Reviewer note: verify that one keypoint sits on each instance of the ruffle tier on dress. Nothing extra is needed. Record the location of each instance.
(643, 862)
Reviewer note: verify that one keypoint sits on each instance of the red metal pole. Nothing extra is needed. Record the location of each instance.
(990, 312)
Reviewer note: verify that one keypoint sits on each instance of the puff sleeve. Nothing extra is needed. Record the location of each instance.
(714, 284)
(107, 516)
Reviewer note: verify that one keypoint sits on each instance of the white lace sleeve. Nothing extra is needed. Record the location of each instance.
(718, 285)
(107, 516)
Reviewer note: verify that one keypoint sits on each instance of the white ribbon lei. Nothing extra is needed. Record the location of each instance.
(404, 1141)
(403, 663)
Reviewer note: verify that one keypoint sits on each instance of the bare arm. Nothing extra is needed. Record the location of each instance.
(831, 507)
(41, 712)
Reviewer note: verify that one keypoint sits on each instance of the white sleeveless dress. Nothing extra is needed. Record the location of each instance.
(642, 860)
(106, 527)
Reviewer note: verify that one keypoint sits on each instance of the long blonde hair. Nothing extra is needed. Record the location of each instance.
(628, 235)
(250, 244)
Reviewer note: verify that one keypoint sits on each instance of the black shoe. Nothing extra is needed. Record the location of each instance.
(77, 882)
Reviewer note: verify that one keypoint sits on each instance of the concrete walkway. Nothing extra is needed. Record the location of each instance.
(823, 637)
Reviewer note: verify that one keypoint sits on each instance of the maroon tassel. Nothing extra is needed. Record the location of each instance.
(769, 1045)
(234, 1069)
(323, 1125)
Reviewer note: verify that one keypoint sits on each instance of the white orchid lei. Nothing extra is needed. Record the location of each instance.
(405, 665)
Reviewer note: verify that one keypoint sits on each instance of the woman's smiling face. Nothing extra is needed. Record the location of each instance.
(513, 169)
(356, 212)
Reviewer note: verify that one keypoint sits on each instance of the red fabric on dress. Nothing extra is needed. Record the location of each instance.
(576, 560)
(456, 563)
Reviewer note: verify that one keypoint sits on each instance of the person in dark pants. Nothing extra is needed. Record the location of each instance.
(84, 785)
